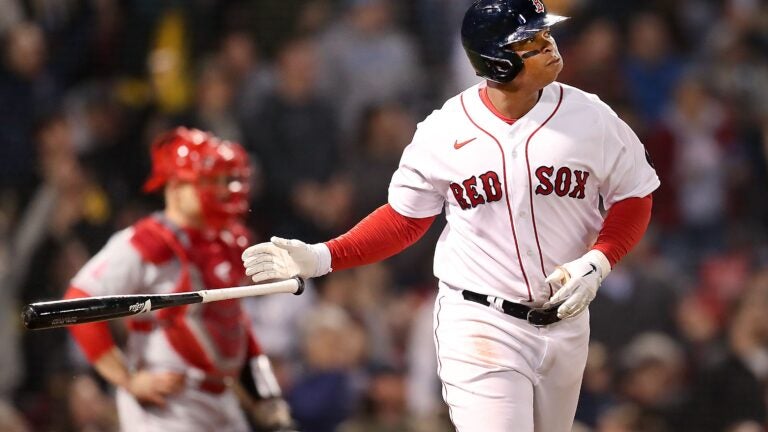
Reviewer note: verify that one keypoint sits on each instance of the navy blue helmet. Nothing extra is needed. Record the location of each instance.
(489, 26)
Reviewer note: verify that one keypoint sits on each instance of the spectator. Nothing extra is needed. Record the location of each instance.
(385, 130)
(384, 408)
(651, 372)
(652, 66)
(597, 396)
(251, 78)
(424, 399)
(634, 300)
(366, 59)
(325, 394)
(214, 103)
(728, 394)
(295, 136)
(598, 58)
(629, 418)
(28, 91)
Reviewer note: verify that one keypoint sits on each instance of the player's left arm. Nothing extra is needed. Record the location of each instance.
(629, 180)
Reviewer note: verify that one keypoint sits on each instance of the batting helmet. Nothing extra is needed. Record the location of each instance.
(490, 26)
(220, 171)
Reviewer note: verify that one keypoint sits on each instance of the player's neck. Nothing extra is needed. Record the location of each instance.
(512, 102)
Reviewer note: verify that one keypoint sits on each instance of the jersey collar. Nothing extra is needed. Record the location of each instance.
(489, 121)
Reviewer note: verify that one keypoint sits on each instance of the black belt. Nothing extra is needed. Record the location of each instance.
(537, 317)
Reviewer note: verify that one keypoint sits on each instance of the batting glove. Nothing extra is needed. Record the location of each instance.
(283, 259)
(578, 281)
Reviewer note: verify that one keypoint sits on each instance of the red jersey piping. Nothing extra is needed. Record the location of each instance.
(530, 185)
(506, 195)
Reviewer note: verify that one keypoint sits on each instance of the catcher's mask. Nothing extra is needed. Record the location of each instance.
(220, 171)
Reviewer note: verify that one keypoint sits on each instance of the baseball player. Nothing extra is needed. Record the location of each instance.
(519, 164)
(180, 366)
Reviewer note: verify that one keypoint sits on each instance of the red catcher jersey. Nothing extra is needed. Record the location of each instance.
(144, 258)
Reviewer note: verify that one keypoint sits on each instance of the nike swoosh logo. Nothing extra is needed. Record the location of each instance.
(594, 269)
(457, 145)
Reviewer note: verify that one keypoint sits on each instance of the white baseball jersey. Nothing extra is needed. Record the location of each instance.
(520, 199)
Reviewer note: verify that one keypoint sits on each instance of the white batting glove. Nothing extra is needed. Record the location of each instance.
(578, 281)
(283, 259)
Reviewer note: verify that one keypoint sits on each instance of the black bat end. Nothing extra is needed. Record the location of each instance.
(29, 316)
(300, 289)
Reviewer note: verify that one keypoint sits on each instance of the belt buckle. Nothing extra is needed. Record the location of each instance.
(535, 317)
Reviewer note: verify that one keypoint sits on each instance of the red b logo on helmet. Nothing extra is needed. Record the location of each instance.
(539, 6)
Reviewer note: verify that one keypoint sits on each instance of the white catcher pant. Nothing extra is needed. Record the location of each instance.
(500, 374)
(191, 410)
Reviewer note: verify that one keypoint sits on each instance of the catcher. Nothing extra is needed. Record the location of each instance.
(181, 368)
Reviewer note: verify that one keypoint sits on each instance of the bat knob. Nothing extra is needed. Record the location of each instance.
(29, 316)
(300, 289)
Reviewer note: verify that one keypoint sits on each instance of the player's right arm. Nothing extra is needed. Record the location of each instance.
(119, 268)
(378, 236)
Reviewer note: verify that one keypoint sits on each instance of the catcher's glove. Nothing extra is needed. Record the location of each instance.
(271, 415)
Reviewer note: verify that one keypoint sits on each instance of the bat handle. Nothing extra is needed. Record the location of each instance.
(301, 285)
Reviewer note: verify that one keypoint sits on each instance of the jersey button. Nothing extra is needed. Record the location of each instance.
(514, 154)
(530, 253)
(523, 214)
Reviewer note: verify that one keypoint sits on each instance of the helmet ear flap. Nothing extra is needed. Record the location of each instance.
(504, 69)
(498, 69)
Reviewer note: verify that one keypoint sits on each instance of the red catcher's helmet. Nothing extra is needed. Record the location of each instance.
(220, 171)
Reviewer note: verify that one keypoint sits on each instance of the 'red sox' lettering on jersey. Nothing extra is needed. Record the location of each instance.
(468, 195)
(560, 181)
(513, 193)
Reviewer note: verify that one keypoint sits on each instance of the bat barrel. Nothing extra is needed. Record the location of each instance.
(62, 313)
(31, 317)
(67, 312)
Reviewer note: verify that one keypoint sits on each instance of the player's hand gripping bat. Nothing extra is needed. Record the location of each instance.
(62, 313)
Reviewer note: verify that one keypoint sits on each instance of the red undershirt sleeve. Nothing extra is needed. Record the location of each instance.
(379, 235)
(623, 227)
(94, 338)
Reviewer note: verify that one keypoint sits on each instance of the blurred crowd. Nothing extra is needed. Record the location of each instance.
(325, 94)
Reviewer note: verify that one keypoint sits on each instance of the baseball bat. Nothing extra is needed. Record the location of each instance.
(60, 313)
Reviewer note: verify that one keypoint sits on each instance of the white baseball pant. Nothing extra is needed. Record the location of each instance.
(502, 374)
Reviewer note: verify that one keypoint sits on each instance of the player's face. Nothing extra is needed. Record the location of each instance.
(187, 201)
(542, 60)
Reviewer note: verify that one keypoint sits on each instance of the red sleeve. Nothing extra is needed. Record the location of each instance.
(380, 235)
(623, 228)
(94, 339)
